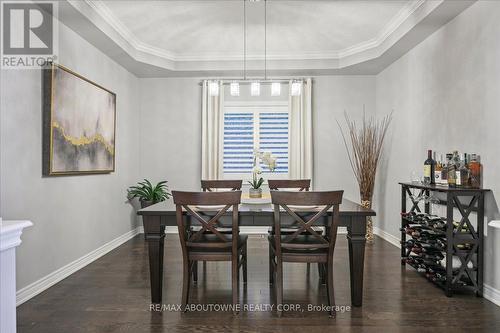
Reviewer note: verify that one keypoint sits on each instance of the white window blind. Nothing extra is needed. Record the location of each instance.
(248, 127)
(273, 137)
(238, 142)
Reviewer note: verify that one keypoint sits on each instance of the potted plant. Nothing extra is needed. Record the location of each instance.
(149, 194)
(270, 161)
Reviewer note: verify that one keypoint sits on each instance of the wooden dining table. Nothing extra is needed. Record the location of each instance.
(352, 215)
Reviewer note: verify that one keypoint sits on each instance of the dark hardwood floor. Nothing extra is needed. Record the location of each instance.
(112, 295)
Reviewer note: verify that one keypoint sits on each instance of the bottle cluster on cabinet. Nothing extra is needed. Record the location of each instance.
(447, 250)
(453, 170)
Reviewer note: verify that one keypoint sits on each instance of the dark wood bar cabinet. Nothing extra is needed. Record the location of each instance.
(461, 241)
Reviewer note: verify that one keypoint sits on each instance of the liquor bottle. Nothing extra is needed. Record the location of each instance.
(475, 172)
(452, 169)
(444, 172)
(464, 171)
(429, 166)
(438, 170)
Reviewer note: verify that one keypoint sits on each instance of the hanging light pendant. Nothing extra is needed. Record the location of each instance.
(234, 88)
(275, 89)
(255, 88)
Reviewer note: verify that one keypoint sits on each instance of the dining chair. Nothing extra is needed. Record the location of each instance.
(299, 184)
(310, 247)
(211, 185)
(296, 185)
(206, 209)
(214, 186)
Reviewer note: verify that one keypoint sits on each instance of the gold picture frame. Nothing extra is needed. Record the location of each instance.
(79, 124)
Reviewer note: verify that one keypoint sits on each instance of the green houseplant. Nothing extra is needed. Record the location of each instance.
(149, 194)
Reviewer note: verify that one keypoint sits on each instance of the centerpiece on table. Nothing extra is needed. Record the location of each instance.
(270, 161)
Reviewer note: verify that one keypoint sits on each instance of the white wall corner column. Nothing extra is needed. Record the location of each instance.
(10, 238)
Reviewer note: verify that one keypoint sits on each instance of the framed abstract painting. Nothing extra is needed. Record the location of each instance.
(79, 119)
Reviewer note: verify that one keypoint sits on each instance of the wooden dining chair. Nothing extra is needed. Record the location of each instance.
(296, 185)
(211, 185)
(209, 246)
(310, 247)
(299, 184)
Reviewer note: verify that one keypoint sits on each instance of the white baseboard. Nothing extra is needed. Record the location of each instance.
(35, 288)
(387, 237)
(491, 294)
(245, 230)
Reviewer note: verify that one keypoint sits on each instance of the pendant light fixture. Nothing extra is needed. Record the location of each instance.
(234, 88)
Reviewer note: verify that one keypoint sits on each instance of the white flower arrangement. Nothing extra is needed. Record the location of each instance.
(268, 159)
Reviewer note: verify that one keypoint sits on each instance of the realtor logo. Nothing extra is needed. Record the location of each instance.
(28, 32)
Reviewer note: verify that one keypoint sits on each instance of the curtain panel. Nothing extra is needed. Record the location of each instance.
(301, 141)
(212, 129)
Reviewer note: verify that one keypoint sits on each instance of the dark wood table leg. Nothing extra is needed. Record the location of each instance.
(155, 237)
(356, 236)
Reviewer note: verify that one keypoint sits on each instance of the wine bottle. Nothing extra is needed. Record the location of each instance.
(429, 166)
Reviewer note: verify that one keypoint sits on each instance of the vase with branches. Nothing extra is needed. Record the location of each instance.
(364, 147)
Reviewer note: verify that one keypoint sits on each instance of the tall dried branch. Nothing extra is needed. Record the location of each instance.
(365, 149)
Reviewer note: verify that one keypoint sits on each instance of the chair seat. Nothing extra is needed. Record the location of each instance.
(311, 245)
(214, 243)
(208, 248)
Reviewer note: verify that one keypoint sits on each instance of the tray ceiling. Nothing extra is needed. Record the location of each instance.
(193, 38)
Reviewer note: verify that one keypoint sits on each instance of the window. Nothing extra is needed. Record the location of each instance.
(249, 126)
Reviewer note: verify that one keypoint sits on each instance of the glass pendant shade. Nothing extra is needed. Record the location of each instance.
(255, 89)
(275, 89)
(234, 88)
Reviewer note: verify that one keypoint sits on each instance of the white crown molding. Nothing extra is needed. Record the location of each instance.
(106, 14)
(95, 22)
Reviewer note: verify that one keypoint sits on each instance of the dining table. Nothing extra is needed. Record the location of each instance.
(352, 215)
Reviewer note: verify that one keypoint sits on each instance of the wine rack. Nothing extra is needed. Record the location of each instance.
(448, 252)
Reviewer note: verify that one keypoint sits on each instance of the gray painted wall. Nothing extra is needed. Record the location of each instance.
(72, 215)
(445, 93)
(171, 140)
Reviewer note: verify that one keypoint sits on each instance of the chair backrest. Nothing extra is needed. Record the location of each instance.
(323, 202)
(210, 185)
(208, 219)
(300, 184)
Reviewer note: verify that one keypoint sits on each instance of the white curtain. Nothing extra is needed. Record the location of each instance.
(211, 132)
(301, 143)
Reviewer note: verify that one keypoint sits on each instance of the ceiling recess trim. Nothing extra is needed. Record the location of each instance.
(106, 14)
(413, 23)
